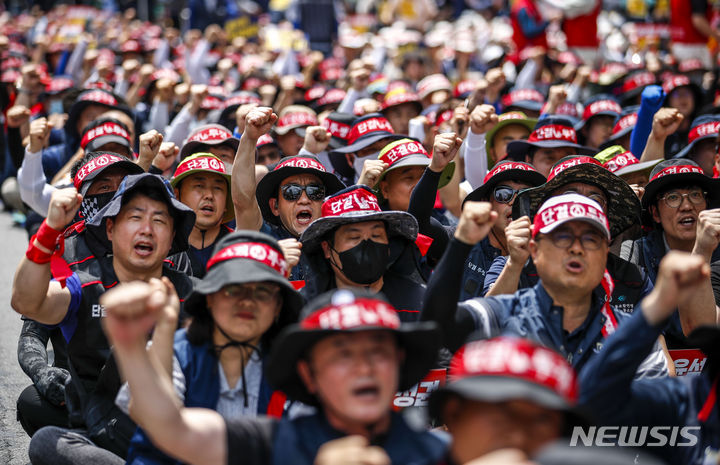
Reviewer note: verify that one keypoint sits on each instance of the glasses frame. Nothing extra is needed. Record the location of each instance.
(682, 198)
(321, 188)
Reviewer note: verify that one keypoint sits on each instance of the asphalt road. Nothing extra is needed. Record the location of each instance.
(13, 440)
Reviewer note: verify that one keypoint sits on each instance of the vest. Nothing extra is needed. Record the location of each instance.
(202, 389)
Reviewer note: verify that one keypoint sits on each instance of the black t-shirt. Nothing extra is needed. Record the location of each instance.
(249, 440)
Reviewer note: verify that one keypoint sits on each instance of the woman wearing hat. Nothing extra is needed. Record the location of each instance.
(349, 355)
(237, 310)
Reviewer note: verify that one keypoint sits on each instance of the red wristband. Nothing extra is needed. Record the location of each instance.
(47, 236)
(35, 255)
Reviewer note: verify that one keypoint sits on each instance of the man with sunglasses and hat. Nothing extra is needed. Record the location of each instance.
(141, 225)
(568, 309)
(349, 355)
(290, 196)
(500, 188)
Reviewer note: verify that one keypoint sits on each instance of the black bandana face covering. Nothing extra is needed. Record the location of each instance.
(91, 204)
(366, 262)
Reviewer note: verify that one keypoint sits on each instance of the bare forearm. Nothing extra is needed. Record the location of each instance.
(654, 149)
(30, 287)
(162, 345)
(507, 282)
(174, 429)
(247, 212)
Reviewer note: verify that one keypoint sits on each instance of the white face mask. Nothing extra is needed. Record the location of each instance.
(359, 162)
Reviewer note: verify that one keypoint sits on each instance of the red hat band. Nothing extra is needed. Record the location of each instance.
(703, 130)
(211, 135)
(403, 150)
(354, 314)
(567, 210)
(300, 162)
(599, 107)
(553, 132)
(355, 201)
(516, 358)
(575, 161)
(336, 128)
(259, 252)
(299, 118)
(201, 163)
(99, 96)
(106, 129)
(94, 165)
(508, 166)
(625, 122)
(620, 161)
(677, 169)
(368, 126)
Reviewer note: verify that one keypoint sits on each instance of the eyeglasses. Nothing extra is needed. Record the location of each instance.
(504, 194)
(261, 293)
(599, 198)
(674, 199)
(563, 239)
(292, 192)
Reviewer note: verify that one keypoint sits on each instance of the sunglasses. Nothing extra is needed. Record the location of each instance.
(292, 192)
(505, 194)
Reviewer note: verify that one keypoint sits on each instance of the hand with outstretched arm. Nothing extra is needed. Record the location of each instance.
(196, 436)
(665, 122)
(247, 212)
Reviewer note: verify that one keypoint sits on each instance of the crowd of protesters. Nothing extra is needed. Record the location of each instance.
(326, 232)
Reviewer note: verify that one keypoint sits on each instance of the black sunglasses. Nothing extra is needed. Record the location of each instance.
(504, 194)
(292, 192)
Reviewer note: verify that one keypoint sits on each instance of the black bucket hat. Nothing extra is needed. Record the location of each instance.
(624, 124)
(246, 257)
(678, 172)
(552, 132)
(623, 206)
(506, 171)
(703, 127)
(268, 186)
(338, 124)
(183, 215)
(599, 105)
(344, 311)
(484, 371)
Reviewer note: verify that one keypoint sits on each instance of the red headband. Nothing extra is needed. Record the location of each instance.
(553, 132)
(356, 200)
(257, 251)
(358, 313)
(94, 165)
(367, 127)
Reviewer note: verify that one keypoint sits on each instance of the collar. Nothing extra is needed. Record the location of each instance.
(546, 302)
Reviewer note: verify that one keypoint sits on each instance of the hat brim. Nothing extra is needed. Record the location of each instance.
(398, 224)
(241, 272)
(688, 148)
(533, 178)
(517, 150)
(581, 124)
(364, 142)
(638, 167)
(131, 167)
(94, 145)
(268, 187)
(229, 205)
(710, 185)
(184, 216)
(494, 389)
(525, 105)
(417, 160)
(420, 342)
(195, 146)
(623, 208)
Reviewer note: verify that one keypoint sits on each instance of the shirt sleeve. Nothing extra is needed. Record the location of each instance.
(476, 164)
(34, 189)
(249, 441)
(493, 272)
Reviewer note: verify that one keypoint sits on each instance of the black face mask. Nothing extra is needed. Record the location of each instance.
(91, 204)
(366, 262)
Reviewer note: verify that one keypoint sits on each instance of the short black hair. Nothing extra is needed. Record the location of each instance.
(153, 193)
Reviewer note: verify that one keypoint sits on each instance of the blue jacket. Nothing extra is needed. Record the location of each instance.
(202, 389)
(476, 266)
(609, 393)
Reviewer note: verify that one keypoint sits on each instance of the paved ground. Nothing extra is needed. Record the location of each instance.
(13, 440)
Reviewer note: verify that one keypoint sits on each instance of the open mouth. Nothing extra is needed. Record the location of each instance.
(687, 221)
(208, 209)
(144, 249)
(304, 217)
(574, 266)
(367, 391)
